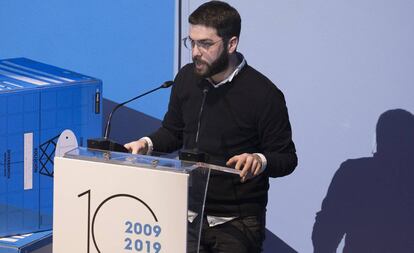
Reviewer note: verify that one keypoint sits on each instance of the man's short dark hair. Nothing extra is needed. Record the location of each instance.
(219, 15)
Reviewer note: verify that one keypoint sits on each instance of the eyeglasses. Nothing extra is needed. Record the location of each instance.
(201, 44)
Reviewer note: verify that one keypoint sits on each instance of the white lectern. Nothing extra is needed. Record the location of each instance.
(115, 202)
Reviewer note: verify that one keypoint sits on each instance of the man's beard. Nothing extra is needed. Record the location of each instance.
(219, 65)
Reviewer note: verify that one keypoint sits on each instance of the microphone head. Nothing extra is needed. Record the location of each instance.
(206, 89)
(167, 84)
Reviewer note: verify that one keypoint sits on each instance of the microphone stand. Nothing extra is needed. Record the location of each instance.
(105, 143)
(196, 155)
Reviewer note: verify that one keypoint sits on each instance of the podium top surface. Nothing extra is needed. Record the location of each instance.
(150, 162)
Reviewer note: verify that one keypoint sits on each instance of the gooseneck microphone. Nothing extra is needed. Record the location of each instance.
(205, 91)
(108, 123)
(195, 155)
(105, 143)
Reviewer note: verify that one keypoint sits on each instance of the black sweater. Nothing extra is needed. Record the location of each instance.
(246, 115)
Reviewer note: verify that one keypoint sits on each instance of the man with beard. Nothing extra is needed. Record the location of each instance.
(244, 124)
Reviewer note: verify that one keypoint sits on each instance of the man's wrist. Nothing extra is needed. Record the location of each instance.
(263, 161)
(150, 145)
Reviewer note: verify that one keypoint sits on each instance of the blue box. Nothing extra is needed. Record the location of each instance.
(38, 102)
(27, 243)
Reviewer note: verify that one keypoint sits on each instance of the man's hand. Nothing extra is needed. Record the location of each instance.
(249, 164)
(137, 147)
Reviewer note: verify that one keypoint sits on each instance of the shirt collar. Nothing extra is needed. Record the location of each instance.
(232, 75)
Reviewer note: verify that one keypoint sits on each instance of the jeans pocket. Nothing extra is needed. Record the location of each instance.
(254, 227)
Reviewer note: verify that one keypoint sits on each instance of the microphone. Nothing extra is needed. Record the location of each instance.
(105, 143)
(205, 91)
(195, 155)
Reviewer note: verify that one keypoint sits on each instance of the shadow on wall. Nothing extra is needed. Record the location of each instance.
(371, 200)
(274, 244)
(127, 122)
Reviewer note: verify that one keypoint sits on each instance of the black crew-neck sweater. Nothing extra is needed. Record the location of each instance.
(246, 115)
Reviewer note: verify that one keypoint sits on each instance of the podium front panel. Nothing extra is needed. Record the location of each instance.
(114, 202)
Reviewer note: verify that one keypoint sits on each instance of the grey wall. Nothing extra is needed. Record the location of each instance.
(340, 64)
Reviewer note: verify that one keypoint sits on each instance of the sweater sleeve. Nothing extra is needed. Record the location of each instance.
(276, 135)
(169, 137)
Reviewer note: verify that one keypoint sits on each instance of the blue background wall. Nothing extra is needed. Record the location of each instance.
(129, 44)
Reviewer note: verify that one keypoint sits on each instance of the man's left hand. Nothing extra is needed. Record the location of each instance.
(249, 164)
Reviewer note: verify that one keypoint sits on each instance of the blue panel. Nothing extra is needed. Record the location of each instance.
(32, 242)
(3, 184)
(3, 140)
(3, 215)
(64, 118)
(76, 92)
(31, 218)
(84, 96)
(65, 97)
(8, 84)
(79, 115)
(3, 207)
(9, 250)
(15, 146)
(14, 201)
(3, 101)
(44, 111)
(3, 125)
(15, 123)
(31, 122)
(31, 102)
(15, 182)
(46, 70)
(48, 119)
(48, 100)
(30, 199)
(15, 219)
(14, 104)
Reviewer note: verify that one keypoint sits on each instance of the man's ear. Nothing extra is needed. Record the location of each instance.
(232, 44)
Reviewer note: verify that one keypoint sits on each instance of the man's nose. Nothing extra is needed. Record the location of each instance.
(195, 51)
